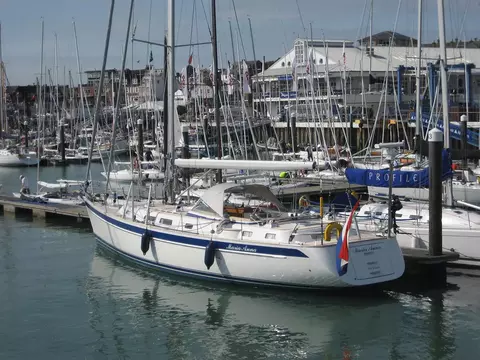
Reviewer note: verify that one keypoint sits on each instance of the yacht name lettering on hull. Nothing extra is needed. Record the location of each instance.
(243, 248)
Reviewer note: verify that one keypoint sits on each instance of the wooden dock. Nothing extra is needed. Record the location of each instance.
(421, 268)
(42, 210)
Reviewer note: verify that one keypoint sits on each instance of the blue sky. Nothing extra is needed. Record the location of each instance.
(276, 23)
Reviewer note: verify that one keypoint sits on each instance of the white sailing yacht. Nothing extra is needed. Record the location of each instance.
(214, 239)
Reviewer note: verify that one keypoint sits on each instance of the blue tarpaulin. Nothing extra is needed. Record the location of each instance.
(401, 178)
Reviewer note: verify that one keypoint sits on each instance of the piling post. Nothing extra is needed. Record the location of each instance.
(294, 133)
(463, 126)
(435, 147)
(140, 139)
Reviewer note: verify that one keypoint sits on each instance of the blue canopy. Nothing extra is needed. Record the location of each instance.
(405, 179)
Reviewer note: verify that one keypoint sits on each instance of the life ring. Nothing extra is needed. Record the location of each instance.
(303, 202)
(327, 234)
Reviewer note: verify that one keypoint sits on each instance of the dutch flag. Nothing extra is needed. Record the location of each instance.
(342, 244)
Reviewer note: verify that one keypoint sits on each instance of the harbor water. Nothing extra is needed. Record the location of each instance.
(64, 297)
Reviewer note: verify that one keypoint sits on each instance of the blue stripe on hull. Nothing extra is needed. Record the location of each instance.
(183, 240)
(204, 275)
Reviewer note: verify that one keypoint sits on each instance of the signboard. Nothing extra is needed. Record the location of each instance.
(369, 261)
(288, 95)
(285, 78)
(455, 130)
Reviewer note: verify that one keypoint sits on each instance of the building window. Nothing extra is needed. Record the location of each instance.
(299, 52)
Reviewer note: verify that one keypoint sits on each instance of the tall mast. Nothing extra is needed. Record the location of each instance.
(170, 88)
(56, 81)
(2, 105)
(370, 47)
(443, 74)
(40, 118)
(216, 87)
(116, 110)
(233, 53)
(99, 90)
(418, 113)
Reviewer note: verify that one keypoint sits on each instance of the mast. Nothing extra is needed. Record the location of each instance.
(216, 87)
(165, 105)
(116, 111)
(170, 88)
(370, 47)
(40, 106)
(418, 113)
(2, 105)
(444, 84)
(233, 53)
(56, 82)
(99, 90)
(443, 73)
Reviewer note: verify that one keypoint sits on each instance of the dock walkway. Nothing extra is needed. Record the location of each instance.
(14, 205)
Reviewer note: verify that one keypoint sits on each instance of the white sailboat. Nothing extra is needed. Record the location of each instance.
(56, 193)
(214, 239)
(14, 157)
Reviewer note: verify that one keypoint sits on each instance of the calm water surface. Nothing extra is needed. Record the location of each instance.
(64, 297)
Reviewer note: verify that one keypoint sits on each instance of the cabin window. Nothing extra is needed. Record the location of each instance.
(270, 236)
(316, 236)
(378, 213)
(151, 218)
(397, 215)
(415, 217)
(188, 226)
(166, 221)
(247, 233)
(368, 213)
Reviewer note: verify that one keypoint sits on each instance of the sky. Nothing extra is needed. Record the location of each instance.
(275, 24)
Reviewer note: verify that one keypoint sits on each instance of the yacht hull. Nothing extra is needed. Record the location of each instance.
(286, 266)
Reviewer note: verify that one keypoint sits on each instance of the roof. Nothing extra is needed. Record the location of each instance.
(386, 35)
(356, 58)
(214, 197)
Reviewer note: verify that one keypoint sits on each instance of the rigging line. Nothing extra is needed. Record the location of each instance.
(206, 19)
(179, 20)
(238, 28)
(301, 17)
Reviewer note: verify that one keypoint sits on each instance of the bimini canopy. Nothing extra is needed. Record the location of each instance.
(214, 197)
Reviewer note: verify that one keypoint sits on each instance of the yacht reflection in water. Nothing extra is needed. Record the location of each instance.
(190, 319)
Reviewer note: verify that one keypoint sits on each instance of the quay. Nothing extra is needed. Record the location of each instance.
(13, 205)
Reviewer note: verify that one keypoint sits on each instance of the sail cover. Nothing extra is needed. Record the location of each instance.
(401, 178)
